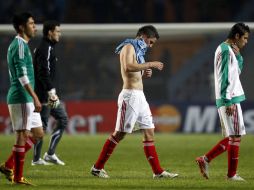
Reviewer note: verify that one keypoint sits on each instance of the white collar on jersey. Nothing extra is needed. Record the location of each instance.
(21, 38)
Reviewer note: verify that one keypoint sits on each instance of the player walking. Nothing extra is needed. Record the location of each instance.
(23, 103)
(228, 64)
(132, 105)
(45, 62)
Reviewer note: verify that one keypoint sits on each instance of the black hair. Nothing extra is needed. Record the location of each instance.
(20, 19)
(49, 25)
(239, 28)
(149, 30)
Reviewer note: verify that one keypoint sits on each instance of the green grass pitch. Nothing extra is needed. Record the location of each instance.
(128, 167)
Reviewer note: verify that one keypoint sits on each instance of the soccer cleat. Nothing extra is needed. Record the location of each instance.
(99, 173)
(164, 174)
(236, 177)
(53, 159)
(40, 162)
(23, 181)
(7, 172)
(203, 166)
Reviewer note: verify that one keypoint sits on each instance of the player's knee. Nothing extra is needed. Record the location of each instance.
(121, 138)
(63, 122)
(148, 134)
(235, 137)
(118, 135)
(21, 137)
(58, 131)
(38, 133)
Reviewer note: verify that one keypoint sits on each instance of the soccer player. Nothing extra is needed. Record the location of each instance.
(228, 64)
(132, 105)
(45, 61)
(23, 103)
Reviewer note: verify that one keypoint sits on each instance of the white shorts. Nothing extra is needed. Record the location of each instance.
(232, 125)
(133, 109)
(23, 116)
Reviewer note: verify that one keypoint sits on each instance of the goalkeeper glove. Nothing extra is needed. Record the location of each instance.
(53, 100)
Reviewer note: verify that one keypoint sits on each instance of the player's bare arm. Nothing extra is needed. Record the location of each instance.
(128, 59)
(37, 103)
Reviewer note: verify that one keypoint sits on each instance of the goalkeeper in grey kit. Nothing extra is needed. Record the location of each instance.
(45, 62)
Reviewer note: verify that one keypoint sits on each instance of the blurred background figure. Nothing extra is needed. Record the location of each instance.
(45, 62)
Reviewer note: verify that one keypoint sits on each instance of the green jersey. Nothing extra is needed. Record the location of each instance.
(20, 65)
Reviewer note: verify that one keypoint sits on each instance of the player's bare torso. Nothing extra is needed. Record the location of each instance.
(131, 80)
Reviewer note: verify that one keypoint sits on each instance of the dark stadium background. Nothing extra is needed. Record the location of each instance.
(181, 96)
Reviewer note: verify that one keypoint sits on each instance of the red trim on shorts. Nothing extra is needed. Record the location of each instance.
(236, 121)
(123, 110)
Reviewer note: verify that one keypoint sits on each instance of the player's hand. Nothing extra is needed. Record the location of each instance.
(156, 65)
(37, 105)
(230, 110)
(235, 49)
(53, 100)
(148, 73)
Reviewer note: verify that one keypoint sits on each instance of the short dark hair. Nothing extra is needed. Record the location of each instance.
(149, 30)
(49, 25)
(239, 28)
(20, 19)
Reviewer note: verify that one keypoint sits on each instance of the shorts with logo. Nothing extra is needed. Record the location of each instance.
(232, 125)
(133, 111)
(23, 116)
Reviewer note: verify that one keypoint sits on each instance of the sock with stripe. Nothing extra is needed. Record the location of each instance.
(10, 162)
(218, 149)
(19, 159)
(152, 156)
(233, 154)
(106, 152)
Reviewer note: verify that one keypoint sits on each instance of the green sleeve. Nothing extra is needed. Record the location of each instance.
(19, 60)
(240, 60)
(224, 73)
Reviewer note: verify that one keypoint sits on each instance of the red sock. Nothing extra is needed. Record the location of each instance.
(9, 162)
(19, 159)
(233, 154)
(221, 147)
(106, 152)
(29, 143)
(152, 156)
